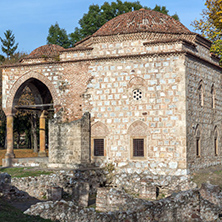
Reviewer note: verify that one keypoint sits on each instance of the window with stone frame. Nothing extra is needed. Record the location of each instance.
(98, 147)
(213, 95)
(138, 135)
(201, 93)
(138, 147)
(215, 142)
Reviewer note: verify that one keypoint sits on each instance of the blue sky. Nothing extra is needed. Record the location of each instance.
(30, 19)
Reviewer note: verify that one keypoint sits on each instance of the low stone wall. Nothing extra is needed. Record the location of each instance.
(70, 181)
(10, 192)
(29, 162)
(114, 200)
(147, 185)
(68, 211)
(211, 193)
(188, 205)
(143, 185)
(184, 206)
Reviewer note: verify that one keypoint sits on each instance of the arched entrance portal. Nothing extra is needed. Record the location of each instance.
(40, 102)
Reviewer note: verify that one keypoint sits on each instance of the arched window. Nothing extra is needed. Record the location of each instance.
(215, 142)
(138, 132)
(213, 95)
(99, 131)
(198, 142)
(201, 93)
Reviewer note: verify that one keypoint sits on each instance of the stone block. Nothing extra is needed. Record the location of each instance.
(54, 193)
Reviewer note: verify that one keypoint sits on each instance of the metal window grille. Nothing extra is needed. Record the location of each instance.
(98, 147)
(138, 147)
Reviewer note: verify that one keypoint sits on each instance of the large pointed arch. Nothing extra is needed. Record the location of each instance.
(37, 82)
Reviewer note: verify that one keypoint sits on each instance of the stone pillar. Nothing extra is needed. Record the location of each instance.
(10, 152)
(42, 152)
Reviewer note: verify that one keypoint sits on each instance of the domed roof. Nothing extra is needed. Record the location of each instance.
(45, 50)
(141, 21)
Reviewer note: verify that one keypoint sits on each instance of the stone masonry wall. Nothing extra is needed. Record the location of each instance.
(162, 109)
(69, 181)
(203, 118)
(69, 142)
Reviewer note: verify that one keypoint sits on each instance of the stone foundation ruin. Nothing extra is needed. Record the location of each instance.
(67, 196)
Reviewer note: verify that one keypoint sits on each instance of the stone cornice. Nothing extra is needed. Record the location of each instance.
(155, 54)
(193, 55)
(214, 56)
(83, 40)
(167, 41)
(77, 49)
(203, 41)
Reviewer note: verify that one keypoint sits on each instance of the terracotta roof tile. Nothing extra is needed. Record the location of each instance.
(140, 21)
(49, 50)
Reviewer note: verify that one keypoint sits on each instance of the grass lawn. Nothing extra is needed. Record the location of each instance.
(210, 174)
(24, 171)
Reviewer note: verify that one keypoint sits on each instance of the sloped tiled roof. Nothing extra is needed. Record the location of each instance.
(140, 21)
(49, 50)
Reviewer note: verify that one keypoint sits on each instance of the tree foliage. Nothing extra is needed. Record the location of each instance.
(163, 10)
(207, 28)
(97, 16)
(8, 43)
(215, 12)
(58, 36)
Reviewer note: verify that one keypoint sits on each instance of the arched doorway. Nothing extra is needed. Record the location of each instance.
(40, 101)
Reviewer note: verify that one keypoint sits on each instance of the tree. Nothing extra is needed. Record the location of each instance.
(8, 44)
(58, 36)
(207, 28)
(98, 16)
(163, 10)
(215, 12)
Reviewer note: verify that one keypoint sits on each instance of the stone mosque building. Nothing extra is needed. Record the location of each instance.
(141, 92)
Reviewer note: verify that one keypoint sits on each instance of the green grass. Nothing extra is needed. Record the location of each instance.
(23, 171)
(9, 213)
(209, 174)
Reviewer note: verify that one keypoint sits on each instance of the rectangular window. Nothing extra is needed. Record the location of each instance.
(138, 147)
(98, 147)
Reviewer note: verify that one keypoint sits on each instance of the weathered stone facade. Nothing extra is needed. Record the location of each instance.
(140, 85)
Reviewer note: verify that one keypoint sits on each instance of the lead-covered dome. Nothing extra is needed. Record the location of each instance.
(141, 21)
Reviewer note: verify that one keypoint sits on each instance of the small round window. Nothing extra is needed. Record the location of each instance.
(137, 94)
